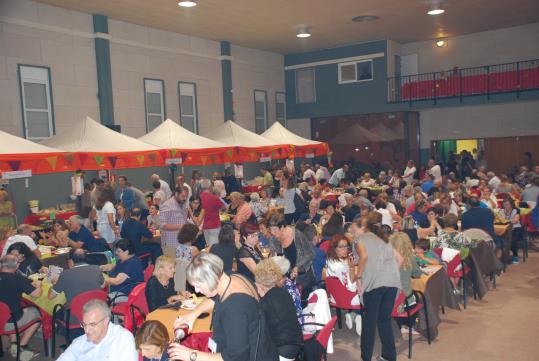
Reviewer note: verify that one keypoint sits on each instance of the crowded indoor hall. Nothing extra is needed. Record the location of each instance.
(269, 180)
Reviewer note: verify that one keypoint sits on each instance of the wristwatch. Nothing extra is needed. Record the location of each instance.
(193, 356)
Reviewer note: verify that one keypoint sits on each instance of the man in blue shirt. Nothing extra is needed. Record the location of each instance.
(420, 214)
(427, 184)
(134, 231)
(124, 193)
(81, 237)
(478, 217)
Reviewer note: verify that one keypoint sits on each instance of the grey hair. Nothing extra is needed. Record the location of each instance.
(206, 268)
(21, 228)
(205, 184)
(282, 262)
(76, 219)
(9, 262)
(96, 304)
(255, 196)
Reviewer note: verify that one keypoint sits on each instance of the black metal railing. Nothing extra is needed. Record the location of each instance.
(457, 83)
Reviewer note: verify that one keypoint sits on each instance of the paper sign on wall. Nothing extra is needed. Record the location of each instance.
(238, 170)
(170, 161)
(17, 174)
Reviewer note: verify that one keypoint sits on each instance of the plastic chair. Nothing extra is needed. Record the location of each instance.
(322, 335)
(75, 308)
(342, 297)
(148, 272)
(134, 311)
(410, 311)
(454, 271)
(5, 315)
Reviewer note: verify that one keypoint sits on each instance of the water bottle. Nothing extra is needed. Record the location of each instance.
(181, 332)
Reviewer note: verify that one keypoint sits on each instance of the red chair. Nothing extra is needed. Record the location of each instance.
(5, 315)
(133, 311)
(324, 246)
(453, 271)
(410, 311)
(342, 297)
(148, 272)
(75, 308)
(322, 335)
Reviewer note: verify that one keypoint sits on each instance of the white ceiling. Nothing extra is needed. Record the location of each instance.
(272, 24)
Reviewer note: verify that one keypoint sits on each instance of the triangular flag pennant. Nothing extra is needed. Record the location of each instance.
(252, 155)
(274, 154)
(203, 159)
(152, 157)
(98, 159)
(140, 159)
(173, 152)
(83, 157)
(229, 153)
(237, 150)
(52, 161)
(184, 156)
(69, 158)
(112, 161)
(215, 158)
(14, 164)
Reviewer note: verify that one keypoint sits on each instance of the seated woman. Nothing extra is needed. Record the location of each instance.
(186, 237)
(339, 264)
(58, 235)
(258, 208)
(126, 273)
(239, 329)
(248, 254)
(28, 261)
(279, 310)
(511, 214)
(450, 236)
(226, 247)
(160, 287)
(153, 217)
(152, 341)
(312, 217)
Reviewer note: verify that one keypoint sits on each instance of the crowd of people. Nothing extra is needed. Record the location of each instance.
(257, 256)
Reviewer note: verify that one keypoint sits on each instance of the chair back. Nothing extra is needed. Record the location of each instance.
(78, 302)
(137, 307)
(5, 314)
(137, 297)
(325, 333)
(341, 295)
(148, 272)
(400, 300)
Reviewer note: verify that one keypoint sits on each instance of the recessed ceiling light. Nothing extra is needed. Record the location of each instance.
(303, 33)
(436, 11)
(365, 18)
(441, 42)
(187, 3)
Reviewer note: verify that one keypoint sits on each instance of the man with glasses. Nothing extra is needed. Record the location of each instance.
(102, 340)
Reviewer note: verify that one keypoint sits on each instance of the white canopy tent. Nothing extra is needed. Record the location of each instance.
(171, 135)
(278, 133)
(90, 136)
(11, 144)
(232, 134)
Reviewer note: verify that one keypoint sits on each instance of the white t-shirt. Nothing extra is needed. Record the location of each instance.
(166, 188)
(108, 208)
(19, 238)
(367, 183)
(159, 194)
(436, 172)
(410, 172)
(308, 174)
(386, 217)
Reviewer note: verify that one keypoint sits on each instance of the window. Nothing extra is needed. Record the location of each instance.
(305, 86)
(355, 71)
(261, 111)
(188, 106)
(36, 100)
(280, 107)
(154, 96)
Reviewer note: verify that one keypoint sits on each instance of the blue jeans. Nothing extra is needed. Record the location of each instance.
(377, 313)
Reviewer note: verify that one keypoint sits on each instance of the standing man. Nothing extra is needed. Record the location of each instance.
(172, 216)
(339, 175)
(435, 171)
(159, 196)
(124, 193)
(180, 182)
(309, 175)
(211, 204)
(164, 185)
(102, 340)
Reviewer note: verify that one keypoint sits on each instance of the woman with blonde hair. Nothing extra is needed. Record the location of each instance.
(279, 310)
(160, 287)
(152, 340)
(239, 329)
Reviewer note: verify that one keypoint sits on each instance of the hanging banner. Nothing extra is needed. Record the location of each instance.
(265, 159)
(77, 185)
(170, 161)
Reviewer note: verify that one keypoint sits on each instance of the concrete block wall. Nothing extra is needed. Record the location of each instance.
(43, 35)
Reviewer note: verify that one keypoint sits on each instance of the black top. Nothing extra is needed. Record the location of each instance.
(226, 252)
(350, 212)
(156, 294)
(245, 253)
(291, 254)
(282, 321)
(12, 286)
(30, 265)
(238, 325)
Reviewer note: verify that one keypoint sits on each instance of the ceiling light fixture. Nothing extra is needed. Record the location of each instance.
(303, 33)
(441, 43)
(187, 3)
(436, 11)
(365, 18)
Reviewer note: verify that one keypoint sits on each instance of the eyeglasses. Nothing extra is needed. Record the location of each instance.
(255, 234)
(91, 324)
(346, 246)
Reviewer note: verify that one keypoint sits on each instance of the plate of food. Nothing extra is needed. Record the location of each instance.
(189, 304)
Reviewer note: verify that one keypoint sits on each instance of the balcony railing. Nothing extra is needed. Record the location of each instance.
(457, 83)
